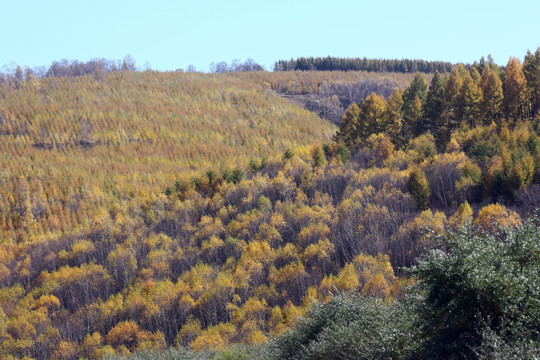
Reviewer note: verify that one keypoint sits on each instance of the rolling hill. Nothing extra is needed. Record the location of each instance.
(127, 134)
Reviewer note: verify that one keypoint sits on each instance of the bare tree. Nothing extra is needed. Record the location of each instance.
(221, 67)
(128, 64)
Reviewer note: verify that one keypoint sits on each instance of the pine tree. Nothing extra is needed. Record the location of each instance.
(468, 104)
(531, 69)
(393, 116)
(492, 96)
(415, 117)
(318, 159)
(514, 91)
(475, 74)
(434, 102)
(448, 121)
(417, 90)
(372, 116)
(359, 122)
(348, 131)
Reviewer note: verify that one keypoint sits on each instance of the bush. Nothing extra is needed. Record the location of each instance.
(481, 295)
(239, 352)
(350, 327)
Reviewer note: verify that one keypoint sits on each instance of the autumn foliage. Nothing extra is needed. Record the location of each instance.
(147, 210)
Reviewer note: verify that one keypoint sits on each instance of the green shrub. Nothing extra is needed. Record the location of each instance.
(482, 294)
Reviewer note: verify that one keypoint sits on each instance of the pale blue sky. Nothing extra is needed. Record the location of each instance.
(172, 34)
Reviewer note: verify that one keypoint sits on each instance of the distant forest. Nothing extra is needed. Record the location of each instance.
(330, 63)
(100, 66)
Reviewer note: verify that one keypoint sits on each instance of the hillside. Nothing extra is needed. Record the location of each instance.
(71, 145)
(329, 93)
(116, 244)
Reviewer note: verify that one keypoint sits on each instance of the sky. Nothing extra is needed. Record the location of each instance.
(168, 34)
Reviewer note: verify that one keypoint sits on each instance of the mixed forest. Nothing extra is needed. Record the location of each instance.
(206, 212)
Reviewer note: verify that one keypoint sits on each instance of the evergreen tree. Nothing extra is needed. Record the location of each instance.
(393, 116)
(468, 102)
(416, 92)
(531, 70)
(348, 131)
(372, 116)
(359, 122)
(475, 74)
(372, 112)
(448, 121)
(318, 158)
(492, 96)
(434, 102)
(415, 120)
(514, 90)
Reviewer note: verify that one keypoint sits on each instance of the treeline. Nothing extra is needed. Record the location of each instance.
(235, 66)
(362, 64)
(99, 67)
(66, 68)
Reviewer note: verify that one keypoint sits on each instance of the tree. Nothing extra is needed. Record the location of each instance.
(65, 351)
(452, 178)
(462, 217)
(514, 91)
(531, 70)
(492, 96)
(468, 102)
(126, 333)
(434, 103)
(419, 188)
(213, 337)
(414, 98)
(349, 326)
(348, 130)
(371, 116)
(494, 216)
(189, 332)
(393, 118)
(449, 120)
(414, 121)
(359, 122)
(128, 64)
(518, 170)
(122, 265)
(91, 345)
(318, 158)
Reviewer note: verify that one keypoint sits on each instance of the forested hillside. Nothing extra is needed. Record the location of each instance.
(329, 93)
(72, 146)
(120, 237)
